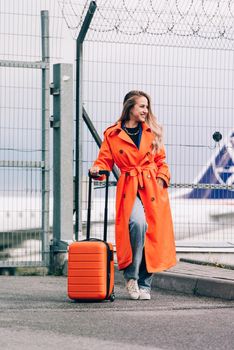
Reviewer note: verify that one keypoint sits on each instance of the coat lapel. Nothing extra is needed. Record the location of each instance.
(122, 134)
(125, 137)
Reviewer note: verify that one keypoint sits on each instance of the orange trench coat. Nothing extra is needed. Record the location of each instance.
(139, 170)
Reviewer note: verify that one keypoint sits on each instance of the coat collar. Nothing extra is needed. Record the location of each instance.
(146, 138)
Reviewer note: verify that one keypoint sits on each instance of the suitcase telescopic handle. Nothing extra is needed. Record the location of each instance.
(101, 172)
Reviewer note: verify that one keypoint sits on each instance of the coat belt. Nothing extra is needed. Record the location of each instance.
(137, 171)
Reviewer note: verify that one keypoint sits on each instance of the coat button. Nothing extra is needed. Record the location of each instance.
(127, 174)
(152, 199)
(121, 151)
(148, 176)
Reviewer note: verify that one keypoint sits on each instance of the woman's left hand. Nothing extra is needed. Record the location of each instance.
(161, 182)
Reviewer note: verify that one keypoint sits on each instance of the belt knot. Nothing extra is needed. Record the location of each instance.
(137, 171)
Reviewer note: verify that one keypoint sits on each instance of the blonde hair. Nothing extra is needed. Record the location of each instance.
(129, 102)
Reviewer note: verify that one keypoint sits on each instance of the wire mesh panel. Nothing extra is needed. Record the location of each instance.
(20, 166)
(181, 53)
(24, 146)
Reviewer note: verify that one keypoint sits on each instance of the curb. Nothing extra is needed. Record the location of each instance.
(195, 285)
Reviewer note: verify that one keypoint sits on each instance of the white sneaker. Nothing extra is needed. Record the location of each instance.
(144, 294)
(133, 289)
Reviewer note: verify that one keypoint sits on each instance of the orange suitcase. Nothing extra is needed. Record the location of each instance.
(91, 262)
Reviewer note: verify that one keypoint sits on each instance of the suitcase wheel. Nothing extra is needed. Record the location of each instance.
(112, 297)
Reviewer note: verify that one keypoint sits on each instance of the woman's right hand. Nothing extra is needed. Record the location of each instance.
(94, 170)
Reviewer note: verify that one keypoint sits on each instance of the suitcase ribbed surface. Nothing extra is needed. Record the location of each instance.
(87, 270)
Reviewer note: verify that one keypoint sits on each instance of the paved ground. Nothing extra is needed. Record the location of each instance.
(35, 313)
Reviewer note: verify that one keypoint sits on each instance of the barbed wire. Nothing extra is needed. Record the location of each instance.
(148, 19)
(64, 4)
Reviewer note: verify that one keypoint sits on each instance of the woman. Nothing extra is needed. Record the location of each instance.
(143, 228)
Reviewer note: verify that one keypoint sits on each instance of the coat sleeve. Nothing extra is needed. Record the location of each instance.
(105, 159)
(163, 169)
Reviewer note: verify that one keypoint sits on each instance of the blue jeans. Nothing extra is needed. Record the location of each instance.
(137, 228)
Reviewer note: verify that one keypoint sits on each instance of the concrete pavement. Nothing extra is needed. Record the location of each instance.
(35, 313)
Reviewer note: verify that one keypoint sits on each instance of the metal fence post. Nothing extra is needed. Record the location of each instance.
(45, 135)
(62, 123)
(79, 119)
